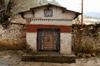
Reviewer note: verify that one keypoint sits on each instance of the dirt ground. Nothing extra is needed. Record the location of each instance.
(13, 58)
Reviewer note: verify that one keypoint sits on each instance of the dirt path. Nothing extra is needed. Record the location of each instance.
(13, 58)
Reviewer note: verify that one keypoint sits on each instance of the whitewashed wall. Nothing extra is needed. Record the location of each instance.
(57, 14)
(65, 42)
(32, 40)
(51, 22)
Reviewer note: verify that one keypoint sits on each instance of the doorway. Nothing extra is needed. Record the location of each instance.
(48, 39)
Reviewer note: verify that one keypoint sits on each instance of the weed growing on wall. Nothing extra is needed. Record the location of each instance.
(79, 44)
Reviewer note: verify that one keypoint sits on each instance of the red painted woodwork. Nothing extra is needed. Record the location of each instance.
(63, 11)
(33, 28)
(48, 7)
(33, 12)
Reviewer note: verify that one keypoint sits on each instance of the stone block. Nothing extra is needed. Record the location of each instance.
(50, 58)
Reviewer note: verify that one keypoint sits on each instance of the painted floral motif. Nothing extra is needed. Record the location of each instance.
(48, 40)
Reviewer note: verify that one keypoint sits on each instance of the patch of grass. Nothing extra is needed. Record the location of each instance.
(1, 50)
(79, 54)
(15, 53)
(98, 56)
(84, 47)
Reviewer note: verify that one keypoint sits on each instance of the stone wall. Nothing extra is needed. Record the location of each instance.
(13, 37)
(90, 33)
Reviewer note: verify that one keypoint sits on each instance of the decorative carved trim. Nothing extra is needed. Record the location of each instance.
(30, 19)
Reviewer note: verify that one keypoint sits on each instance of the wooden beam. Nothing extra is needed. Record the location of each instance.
(33, 12)
(82, 13)
(48, 7)
(64, 10)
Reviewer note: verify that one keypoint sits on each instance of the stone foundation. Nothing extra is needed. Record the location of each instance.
(51, 57)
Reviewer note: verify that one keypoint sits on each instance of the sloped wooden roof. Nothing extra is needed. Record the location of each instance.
(55, 6)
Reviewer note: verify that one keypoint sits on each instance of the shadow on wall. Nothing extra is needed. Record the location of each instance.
(5, 45)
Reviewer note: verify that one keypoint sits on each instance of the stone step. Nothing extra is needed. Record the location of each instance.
(57, 58)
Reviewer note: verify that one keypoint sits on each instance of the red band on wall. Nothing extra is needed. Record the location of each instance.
(33, 28)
